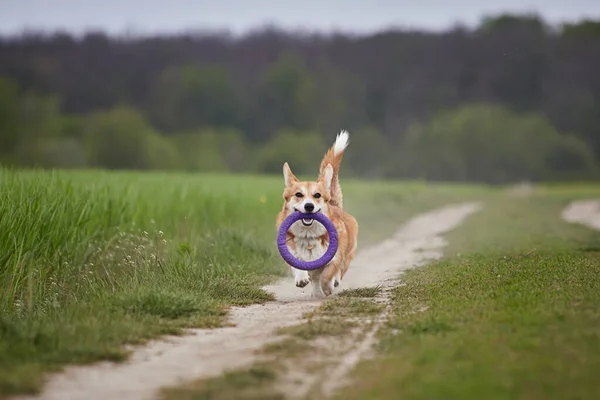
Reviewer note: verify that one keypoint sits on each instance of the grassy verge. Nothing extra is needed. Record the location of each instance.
(90, 261)
(512, 313)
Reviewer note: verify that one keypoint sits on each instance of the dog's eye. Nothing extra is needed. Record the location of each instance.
(317, 195)
(299, 195)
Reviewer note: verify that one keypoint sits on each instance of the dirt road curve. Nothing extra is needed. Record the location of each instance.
(206, 353)
(585, 212)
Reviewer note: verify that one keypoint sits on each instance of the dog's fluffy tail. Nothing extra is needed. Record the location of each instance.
(334, 157)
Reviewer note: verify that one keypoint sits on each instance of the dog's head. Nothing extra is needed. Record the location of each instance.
(307, 196)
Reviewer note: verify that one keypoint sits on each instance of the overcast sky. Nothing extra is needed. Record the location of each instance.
(154, 16)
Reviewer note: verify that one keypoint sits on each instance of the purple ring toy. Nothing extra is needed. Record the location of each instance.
(307, 265)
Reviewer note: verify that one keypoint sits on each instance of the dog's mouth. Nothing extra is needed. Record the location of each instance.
(307, 221)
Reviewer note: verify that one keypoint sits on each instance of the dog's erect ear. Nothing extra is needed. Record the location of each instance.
(288, 177)
(327, 176)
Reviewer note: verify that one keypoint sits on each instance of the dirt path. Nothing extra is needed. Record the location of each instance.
(416, 243)
(585, 212)
(205, 353)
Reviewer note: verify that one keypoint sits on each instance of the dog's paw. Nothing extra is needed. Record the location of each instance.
(301, 282)
(301, 278)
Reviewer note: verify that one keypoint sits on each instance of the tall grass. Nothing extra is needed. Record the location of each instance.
(91, 260)
(119, 230)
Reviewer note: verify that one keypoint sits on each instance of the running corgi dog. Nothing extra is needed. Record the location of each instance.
(307, 239)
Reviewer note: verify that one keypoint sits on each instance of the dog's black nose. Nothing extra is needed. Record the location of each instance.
(309, 207)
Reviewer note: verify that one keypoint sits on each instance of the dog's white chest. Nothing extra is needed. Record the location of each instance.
(309, 249)
(307, 240)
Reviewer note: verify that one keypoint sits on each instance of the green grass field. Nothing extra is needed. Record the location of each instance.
(90, 261)
(511, 313)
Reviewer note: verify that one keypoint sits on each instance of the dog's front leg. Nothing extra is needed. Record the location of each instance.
(315, 277)
(301, 277)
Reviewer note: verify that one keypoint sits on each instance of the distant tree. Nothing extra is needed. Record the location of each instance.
(286, 97)
(585, 28)
(163, 153)
(370, 154)
(41, 125)
(34, 132)
(271, 81)
(122, 139)
(487, 143)
(190, 98)
(507, 21)
(61, 152)
(10, 122)
(213, 150)
(339, 100)
(302, 150)
(571, 159)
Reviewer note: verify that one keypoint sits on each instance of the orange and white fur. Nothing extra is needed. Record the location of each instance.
(308, 239)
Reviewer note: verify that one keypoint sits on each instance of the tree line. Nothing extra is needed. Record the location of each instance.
(511, 99)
